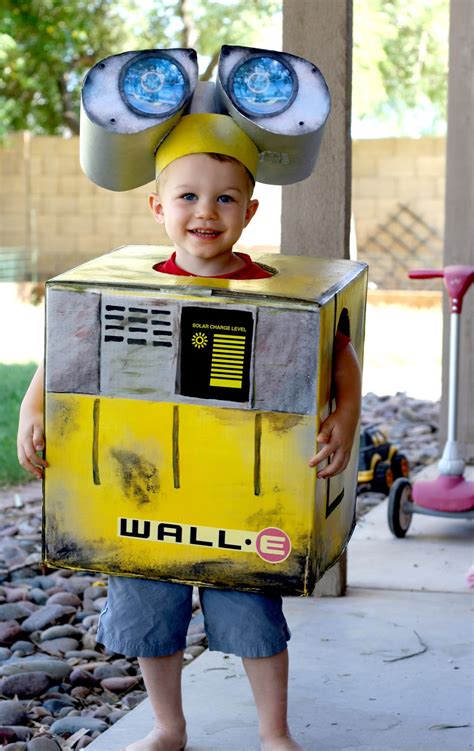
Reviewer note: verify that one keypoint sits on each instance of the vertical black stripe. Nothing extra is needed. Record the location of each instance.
(176, 446)
(95, 442)
(257, 455)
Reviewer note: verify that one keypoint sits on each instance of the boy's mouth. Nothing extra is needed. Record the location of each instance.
(205, 234)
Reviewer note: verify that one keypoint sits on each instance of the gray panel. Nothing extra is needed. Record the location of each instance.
(73, 340)
(286, 361)
(139, 347)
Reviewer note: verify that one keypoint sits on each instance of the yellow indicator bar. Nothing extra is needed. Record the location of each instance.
(230, 337)
(226, 383)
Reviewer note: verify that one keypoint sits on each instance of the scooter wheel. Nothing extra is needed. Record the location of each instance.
(399, 519)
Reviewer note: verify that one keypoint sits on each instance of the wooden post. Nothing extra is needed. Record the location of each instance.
(459, 232)
(316, 212)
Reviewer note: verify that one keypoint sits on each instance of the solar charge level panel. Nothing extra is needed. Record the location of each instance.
(216, 353)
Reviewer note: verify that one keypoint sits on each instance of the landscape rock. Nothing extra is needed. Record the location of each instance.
(15, 594)
(7, 735)
(120, 684)
(55, 632)
(12, 713)
(108, 671)
(116, 715)
(25, 647)
(83, 654)
(22, 733)
(56, 669)
(65, 598)
(10, 632)
(38, 596)
(15, 611)
(59, 646)
(85, 741)
(25, 685)
(47, 615)
(70, 725)
(54, 706)
(43, 743)
(133, 698)
(80, 677)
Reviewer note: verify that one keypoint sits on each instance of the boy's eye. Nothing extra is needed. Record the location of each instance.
(189, 196)
(225, 198)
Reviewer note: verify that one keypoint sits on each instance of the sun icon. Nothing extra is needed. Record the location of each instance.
(199, 340)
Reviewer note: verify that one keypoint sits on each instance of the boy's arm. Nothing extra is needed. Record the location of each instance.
(30, 437)
(337, 431)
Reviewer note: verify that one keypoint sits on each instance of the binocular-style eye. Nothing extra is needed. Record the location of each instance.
(153, 85)
(262, 86)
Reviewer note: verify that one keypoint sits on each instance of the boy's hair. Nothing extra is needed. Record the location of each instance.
(225, 158)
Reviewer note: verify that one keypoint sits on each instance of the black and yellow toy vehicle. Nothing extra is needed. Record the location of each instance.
(380, 462)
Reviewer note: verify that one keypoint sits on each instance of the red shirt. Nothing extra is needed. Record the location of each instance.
(250, 269)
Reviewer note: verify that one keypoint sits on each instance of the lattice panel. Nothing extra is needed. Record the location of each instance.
(404, 242)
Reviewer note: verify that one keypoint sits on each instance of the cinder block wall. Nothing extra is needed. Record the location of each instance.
(390, 171)
(46, 203)
(13, 183)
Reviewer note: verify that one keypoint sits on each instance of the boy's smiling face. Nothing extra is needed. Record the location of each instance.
(204, 204)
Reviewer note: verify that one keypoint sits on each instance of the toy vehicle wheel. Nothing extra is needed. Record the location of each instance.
(399, 519)
(400, 465)
(383, 478)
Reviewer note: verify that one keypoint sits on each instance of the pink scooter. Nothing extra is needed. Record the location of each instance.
(450, 495)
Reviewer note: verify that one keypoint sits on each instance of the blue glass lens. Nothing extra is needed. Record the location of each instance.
(263, 86)
(154, 86)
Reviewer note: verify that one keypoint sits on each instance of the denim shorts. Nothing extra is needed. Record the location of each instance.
(145, 618)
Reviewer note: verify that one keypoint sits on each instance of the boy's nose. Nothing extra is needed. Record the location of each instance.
(206, 209)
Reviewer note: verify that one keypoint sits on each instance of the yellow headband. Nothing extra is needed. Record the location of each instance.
(202, 133)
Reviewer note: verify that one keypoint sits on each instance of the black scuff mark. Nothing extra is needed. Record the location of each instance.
(283, 422)
(261, 519)
(138, 476)
(63, 416)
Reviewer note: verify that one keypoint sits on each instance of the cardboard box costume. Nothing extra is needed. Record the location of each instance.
(187, 442)
(180, 416)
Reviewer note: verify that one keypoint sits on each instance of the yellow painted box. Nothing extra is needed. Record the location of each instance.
(180, 416)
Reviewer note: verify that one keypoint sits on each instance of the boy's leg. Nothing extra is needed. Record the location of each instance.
(268, 678)
(253, 626)
(162, 677)
(149, 619)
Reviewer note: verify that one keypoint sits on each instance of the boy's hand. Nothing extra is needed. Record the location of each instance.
(30, 440)
(336, 434)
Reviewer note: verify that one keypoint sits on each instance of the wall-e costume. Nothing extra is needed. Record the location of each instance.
(181, 412)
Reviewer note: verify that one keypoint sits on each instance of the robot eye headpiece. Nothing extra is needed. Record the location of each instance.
(268, 109)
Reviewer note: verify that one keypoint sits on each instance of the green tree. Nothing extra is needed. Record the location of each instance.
(46, 47)
(401, 63)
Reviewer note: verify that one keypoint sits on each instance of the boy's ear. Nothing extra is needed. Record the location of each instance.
(154, 202)
(251, 209)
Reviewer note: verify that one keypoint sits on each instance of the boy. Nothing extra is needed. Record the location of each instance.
(204, 199)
